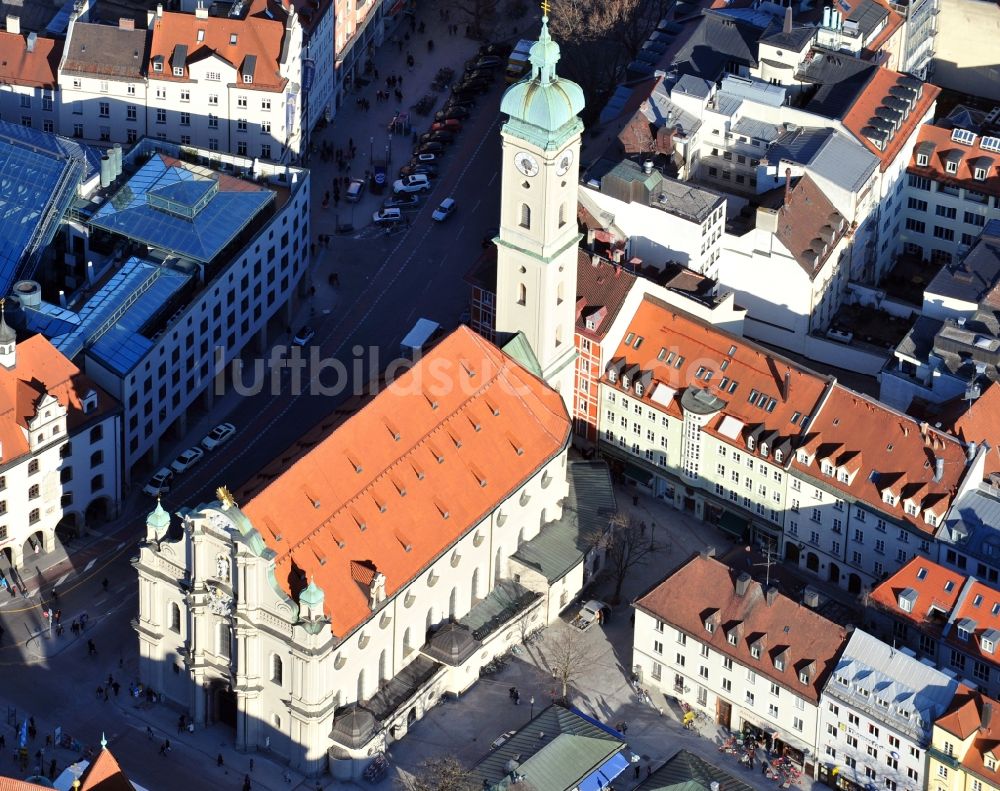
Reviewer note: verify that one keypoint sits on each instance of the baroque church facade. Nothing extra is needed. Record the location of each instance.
(324, 607)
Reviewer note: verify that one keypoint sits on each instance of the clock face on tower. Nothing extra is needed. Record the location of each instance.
(565, 161)
(526, 163)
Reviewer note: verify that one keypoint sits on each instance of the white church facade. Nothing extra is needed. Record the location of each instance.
(387, 556)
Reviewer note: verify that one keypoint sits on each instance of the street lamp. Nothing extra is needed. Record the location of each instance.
(371, 149)
(531, 716)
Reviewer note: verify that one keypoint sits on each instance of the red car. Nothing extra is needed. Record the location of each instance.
(448, 124)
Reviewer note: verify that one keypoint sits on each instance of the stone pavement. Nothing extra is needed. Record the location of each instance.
(466, 728)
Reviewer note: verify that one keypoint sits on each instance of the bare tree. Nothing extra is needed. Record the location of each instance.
(626, 548)
(569, 655)
(598, 39)
(480, 13)
(441, 774)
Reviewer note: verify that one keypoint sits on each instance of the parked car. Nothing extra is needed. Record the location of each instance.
(429, 148)
(472, 88)
(480, 74)
(159, 484)
(418, 182)
(405, 201)
(590, 613)
(187, 460)
(460, 103)
(221, 433)
(425, 168)
(484, 62)
(444, 211)
(442, 136)
(303, 336)
(456, 112)
(452, 125)
(355, 189)
(426, 157)
(387, 216)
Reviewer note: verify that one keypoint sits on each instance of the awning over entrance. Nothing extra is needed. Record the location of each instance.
(603, 777)
(734, 523)
(638, 474)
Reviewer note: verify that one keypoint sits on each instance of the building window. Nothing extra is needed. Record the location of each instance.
(185, 119)
(33, 492)
(175, 618)
(104, 109)
(276, 669)
(34, 517)
(161, 116)
(525, 221)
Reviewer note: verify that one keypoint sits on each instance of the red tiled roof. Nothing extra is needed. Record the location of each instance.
(705, 588)
(11, 784)
(472, 427)
(981, 423)
(715, 361)
(601, 288)
(809, 226)
(20, 67)
(40, 368)
(104, 774)
(940, 138)
(868, 101)
(974, 713)
(257, 35)
(881, 450)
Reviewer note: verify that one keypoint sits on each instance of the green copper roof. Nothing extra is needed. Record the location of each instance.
(520, 351)
(158, 518)
(312, 595)
(543, 107)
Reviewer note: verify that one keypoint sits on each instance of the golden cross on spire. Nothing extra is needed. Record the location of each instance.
(545, 7)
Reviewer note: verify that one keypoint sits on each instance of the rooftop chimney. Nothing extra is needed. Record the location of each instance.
(743, 583)
(788, 183)
(938, 469)
(708, 552)
(14, 25)
(787, 387)
(647, 166)
(788, 19)
(126, 23)
(159, 10)
(770, 595)
(201, 12)
(987, 715)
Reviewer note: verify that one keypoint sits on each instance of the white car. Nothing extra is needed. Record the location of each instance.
(388, 216)
(417, 182)
(218, 435)
(445, 210)
(159, 483)
(187, 459)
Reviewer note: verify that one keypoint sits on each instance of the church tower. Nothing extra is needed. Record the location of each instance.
(537, 246)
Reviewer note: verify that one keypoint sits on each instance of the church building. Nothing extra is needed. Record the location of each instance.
(391, 552)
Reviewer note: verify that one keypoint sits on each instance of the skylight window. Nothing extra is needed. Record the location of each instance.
(629, 338)
(679, 363)
(963, 136)
(922, 573)
(771, 405)
(761, 400)
(661, 355)
(723, 382)
(795, 417)
(977, 601)
(732, 387)
(949, 586)
(670, 357)
(753, 396)
(724, 365)
(638, 342)
(732, 350)
(996, 608)
(699, 372)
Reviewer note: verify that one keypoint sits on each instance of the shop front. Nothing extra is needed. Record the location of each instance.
(836, 777)
(778, 746)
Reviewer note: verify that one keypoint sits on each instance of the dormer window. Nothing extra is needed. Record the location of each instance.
(911, 508)
(178, 71)
(638, 389)
(89, 402)
(991, 763)
(922, 160)
(779, 664)
(157, 65)
(709, 627)
(731, 638)
(951, 166)
(963, 634)
(930, 519)
(986, 645)
(827, 468)
(843, 477)
(625, 382)
(804, 678)
(803, 457)
(755, 651)
(750, 443)
(979, 174)
(248, 78)
(888, 497)
(612, 376)
(778, 456)
(763, 449)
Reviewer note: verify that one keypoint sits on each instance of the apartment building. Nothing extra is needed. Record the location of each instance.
(945, 616)
(103, 96)
(964, 754)
(62, 463)
(664, 220)
(952, 191)
(747, 440)
(755, 661)
(234, 624)
(223, 257)
(877, 712)
(28, 70)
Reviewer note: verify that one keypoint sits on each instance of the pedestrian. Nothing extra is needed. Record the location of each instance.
(104, 584)
(3, 742)
(100, 692)
(52, 769)
(149, 733)
(649, 770)
(638, 769)
(219, 761)
(246, 783)
(763, 767)
(91, 648)
(399, 95)
(399, 81)
(106, 698)
(163, 749)
(181, 722)
(116, 686)
(251, 764)
(624, 728)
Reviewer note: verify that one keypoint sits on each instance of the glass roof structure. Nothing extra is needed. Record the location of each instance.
(39, 177)
(189, 213)
(112, 321)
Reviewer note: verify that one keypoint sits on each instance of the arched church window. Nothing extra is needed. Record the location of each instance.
(522, 294)
(525, 215)
(562, 215)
